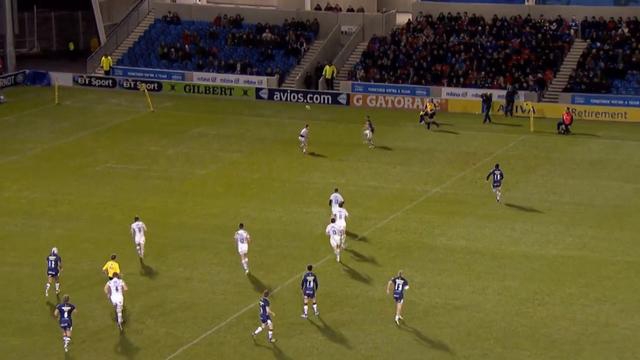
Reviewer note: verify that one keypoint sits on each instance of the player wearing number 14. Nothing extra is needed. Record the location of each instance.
(399, 285)
(63, 312)
(309, 287)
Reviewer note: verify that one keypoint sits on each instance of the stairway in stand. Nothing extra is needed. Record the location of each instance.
(133, 37)
(562, 77)
(296, 73)
(343, 72)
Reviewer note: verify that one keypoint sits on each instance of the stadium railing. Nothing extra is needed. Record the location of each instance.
(119, 33)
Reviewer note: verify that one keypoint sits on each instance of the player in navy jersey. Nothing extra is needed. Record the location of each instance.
(265, 317)
(309, 286)
(399, 285)
(496, 176)
(54, 267)
(63, 312)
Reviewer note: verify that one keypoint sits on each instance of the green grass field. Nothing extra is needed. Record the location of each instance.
(552, 273)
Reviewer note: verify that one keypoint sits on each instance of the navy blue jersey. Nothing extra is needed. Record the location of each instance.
(65, 310)
(399, 284)
(53, 264)
(309, 283)
(264, 313)
(496, 176)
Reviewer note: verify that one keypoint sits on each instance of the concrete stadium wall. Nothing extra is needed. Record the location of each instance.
(113, 11)
(488, 10)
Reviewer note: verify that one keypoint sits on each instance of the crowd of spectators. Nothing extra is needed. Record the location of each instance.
(612, 55)
(462, 50)
(171, 18)
(337, 8)
(203, 48)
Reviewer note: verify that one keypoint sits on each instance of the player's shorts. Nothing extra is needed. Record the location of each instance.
(431, 115)
(398, 298)
(65, 324)
(342, 226)
(368, 134)
(335, 241)
(302, 139)
(243, 249)
(421, 121)
(310, 294)
(117, 300)
(265, 319)
(53, 273)
(139, 240)
(496, 186)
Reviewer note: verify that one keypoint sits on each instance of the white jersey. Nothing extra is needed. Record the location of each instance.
(242, 239)
(304, 133)
(335, 199)
(116, 286)
(138, 229)
(335, 235)
(341, 215)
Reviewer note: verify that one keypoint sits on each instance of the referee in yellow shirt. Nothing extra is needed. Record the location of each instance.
(106, 63)
(329, 74)
(111, 267)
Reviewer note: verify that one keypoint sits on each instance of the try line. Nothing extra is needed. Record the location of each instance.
(374, 227)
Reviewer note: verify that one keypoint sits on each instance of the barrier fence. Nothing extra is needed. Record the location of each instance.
(386, 96)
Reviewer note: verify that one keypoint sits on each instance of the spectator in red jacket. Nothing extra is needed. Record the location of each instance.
(564, 125)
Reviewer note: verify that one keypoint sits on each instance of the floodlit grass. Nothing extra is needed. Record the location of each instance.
(552, 273)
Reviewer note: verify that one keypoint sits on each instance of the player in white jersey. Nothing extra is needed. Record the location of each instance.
(304, 138)
(334, 200)
(243, 239)
(341, 214)
(115, 289)
(138, 230)
(367, 134)
(335, 237)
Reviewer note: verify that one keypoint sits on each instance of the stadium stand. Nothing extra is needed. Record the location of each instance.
(225, 45)
(465, 50)
(611, 61)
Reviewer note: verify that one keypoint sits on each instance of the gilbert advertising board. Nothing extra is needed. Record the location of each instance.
(12, 79)
(208, 90)
(229, 79)
(303, 96)
(553, 111)
(474, 94)
(394, 102)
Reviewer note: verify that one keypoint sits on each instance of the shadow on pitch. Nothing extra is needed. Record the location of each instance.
(362, 257)
(52, 307)
(147, 271)
(126, 348)
(523, 208)
(315, 154)
(585, 134)
(384, 147)
(351, 234)
(425, 340)
(257, 284)
(506, 124)
(275, 349)
(331, 334)
(447, 131)
(355, 275)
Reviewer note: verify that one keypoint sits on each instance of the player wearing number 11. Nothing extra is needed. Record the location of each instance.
(399, 285)
(64, 311)
(309, 287)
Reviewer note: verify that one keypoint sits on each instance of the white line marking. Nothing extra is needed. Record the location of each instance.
(68, 139)
(376, 226)
(35, 109)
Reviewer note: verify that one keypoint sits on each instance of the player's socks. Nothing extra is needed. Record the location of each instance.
(258, 330)
(315, 309)
(397, 319)
(46, 289)
(270, 336)
(119, 312)
(57, 288)
(306, 309)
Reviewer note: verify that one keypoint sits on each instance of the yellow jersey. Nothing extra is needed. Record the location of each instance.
(106, 63)
(431, 107)
(111, 267)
